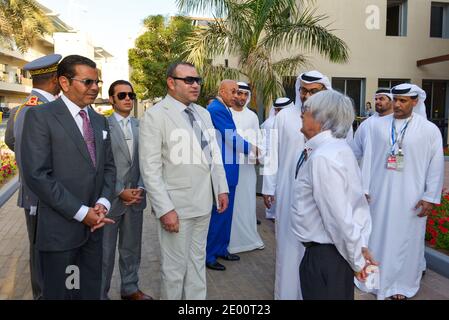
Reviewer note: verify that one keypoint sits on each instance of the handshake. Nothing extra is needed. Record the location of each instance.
(96, 217)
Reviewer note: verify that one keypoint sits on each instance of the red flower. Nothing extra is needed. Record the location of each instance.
(443, 229)
(431, 222)
(438, 205)
(433, 241)
(441, 221)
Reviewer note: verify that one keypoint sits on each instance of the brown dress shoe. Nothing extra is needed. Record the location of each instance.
(138, 295)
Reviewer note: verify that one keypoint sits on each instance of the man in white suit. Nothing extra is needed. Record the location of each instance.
(182, 172)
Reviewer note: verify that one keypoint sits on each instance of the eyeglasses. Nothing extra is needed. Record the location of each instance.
(304, 108)
(190, 80)
(304, 91)
(122, 95)
(89, 82)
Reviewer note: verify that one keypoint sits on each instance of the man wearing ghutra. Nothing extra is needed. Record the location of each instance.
(277, 187)
(270, 158)
(244, 236)
(405, 155)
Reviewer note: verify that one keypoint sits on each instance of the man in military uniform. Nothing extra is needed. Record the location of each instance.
(45, 88)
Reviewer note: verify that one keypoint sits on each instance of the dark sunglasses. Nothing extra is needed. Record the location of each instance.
(122, 95)
(190, 80)
(89, 82)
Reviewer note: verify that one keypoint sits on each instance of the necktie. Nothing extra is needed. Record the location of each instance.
(196, 128)
(300, 162)
(88, 134)
(128, 135)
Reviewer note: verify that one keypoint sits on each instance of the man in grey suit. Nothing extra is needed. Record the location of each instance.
(70, 168)
(176, 139)
(45, 87)
(129, 197)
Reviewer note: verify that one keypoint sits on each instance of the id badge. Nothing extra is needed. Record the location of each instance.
(391, 162)
(400, 162)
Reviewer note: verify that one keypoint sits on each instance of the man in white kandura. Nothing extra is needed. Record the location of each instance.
(288, 123)
(330, 214)
(269, 136)
(244, 236)
(405, 152)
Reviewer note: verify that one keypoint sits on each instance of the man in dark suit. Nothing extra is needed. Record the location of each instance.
(45, 87)
(129, 196)
(70, 167)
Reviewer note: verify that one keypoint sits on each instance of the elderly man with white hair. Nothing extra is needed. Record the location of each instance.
(330, 212)
(277, 187)
(405, 155)
(244, 235)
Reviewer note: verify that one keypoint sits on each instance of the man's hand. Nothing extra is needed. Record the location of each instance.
(268, 201)
(170, 222)
(426, 208)
(223, 202)
(131, 196)
(369, 260)
(95, 218)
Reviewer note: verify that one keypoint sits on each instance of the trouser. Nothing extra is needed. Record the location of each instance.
(35, 266)
(74, 274)
(325, 274)
(183, 270)
(220, 231)
(128, 230)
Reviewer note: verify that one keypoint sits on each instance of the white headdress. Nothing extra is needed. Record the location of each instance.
(412, 90)
(310, 77)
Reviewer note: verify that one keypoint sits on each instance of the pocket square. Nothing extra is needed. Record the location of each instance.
(105, 134)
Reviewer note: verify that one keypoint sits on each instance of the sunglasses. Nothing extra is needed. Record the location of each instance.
(122, 95)
(190, 80)
(304, 91)
(89, 82)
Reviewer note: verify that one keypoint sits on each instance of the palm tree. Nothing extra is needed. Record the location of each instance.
(255, 32)
(21, 22)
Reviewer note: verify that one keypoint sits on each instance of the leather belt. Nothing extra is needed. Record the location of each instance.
(310, 244)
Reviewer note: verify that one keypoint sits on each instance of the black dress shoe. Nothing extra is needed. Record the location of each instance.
(216, 266)
(231, 257)
(258, 222)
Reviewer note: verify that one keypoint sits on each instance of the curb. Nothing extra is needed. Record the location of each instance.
(8, 190)
(437, 261)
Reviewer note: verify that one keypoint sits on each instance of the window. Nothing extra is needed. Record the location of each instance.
(439, 20)
(437, 103)
(354, 89)
(397, 18)
(289, 87)
(390, 83)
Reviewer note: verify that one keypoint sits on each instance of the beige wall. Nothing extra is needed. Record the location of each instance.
(373, 55)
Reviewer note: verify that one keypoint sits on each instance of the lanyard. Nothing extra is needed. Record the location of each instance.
(300, 162)
(400, 138)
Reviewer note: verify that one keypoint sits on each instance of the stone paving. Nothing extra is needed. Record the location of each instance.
(251, 278)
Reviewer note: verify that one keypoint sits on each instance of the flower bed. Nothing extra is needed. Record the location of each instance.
(437, 230)
(8, 166)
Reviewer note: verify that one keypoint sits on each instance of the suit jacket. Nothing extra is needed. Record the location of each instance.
(231, 143)
(185, 186)
(128, 171)
(59, 170)
(13, 134)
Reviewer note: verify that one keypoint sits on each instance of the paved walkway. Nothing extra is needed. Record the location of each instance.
(251, 278)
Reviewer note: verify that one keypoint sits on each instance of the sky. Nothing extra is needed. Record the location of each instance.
(113, 24)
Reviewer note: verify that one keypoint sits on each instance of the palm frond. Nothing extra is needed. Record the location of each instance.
(289, 66)
(213, 75)
(218, 7)
(307, 33)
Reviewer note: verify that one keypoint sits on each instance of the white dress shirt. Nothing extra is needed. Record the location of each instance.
(329, 205)
(74, 111)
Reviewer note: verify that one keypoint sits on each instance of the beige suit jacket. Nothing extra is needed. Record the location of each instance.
(173, 166)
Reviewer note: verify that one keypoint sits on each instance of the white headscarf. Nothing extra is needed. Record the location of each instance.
(243, 86)
(412, 90)
(310, 77)
(384, 92)
(280, 103)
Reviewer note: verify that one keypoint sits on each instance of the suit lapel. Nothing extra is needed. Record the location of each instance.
(64, 117)
(119, 136)
(97, 125)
